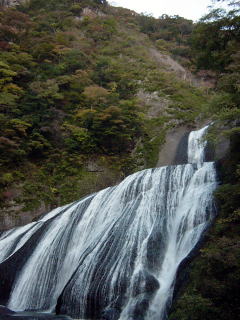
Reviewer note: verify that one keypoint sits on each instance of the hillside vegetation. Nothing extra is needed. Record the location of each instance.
(76, 79)
(87, 93)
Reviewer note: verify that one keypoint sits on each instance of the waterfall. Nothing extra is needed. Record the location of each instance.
(114, 254)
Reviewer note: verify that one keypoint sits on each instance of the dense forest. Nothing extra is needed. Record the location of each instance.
(71, 74)
(77, 80)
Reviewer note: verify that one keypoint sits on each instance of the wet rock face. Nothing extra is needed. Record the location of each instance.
(5, 311)
(222, 148)
(181, 155)
(174, 150)
(139, 310)
(110, 314)
(7, 314)
(33, 317)
(145, 282)
(15, 216)
(10, 3)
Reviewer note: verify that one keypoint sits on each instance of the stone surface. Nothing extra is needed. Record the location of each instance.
(171, 65)
(7, 314)
(168, 152)
(222, 148)
(5, 311)
(14, 216)
(157, 106)
(11, 3)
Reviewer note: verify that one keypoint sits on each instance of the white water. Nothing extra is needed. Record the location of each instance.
(196, 145)
(120, 248)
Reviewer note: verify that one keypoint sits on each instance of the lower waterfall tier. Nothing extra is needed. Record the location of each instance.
(114, 254)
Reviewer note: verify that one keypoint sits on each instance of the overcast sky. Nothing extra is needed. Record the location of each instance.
(191, 9)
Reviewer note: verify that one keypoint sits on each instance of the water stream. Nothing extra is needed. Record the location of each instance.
(114, 254)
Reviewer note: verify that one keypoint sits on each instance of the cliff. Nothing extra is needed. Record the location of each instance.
(11, 3)
(90, 93)
(87, 98)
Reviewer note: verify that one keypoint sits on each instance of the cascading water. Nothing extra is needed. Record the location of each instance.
(114, 254)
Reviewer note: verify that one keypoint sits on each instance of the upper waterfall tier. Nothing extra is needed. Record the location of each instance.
(197, 145)
(114, 254)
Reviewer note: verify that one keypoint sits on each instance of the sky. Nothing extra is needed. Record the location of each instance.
(190, 9)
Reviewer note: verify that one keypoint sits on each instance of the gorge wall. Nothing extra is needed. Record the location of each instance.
(113, 254)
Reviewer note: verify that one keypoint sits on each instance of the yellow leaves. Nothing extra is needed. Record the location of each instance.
(234, 217)
(10, 92)
(48, 89)
(113, 110)
(111, 113)
(72, 128)
(85, 112)
(79, 134)
(83, 75)
(4, 65)
(61, 50)
(113, 86)
(20, 126)
(79, 79)
(6, 74)
(54, 190)
(7, 99)
(95, 92)
(163, 45)
(14, 89)
(7, 178)
(120, 122)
